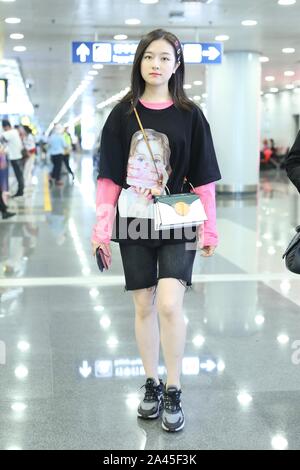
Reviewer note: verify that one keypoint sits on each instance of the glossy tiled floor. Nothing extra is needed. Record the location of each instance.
(69, 367)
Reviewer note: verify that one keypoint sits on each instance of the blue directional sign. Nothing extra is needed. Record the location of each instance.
(123, 53)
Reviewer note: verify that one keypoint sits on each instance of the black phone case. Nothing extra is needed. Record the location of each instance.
(99, 260)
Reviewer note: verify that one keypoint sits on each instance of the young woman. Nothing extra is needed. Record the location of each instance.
(157, 269)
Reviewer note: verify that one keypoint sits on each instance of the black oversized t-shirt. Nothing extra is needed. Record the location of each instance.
(182, 145)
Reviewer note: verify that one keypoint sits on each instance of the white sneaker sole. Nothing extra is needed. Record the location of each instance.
(165, 428)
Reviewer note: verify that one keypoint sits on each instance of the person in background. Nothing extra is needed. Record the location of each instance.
(30, 147)
(68, 141)
(3, 173)
(14, 150)
(293, 163)
(57, 146)
(3, 208)
(273, 147)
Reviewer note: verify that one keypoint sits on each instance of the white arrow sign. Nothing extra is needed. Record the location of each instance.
(83, 51)
(212, 53)
(85, 370)
(209, 365)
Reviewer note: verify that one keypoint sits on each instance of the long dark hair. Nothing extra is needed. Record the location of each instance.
(176, 81)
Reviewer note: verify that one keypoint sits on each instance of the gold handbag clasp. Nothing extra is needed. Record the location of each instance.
(181, 208)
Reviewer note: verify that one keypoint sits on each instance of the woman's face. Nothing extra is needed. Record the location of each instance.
(141, 170)
(158, 63)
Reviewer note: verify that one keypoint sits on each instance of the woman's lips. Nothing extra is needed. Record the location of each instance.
(155, 74)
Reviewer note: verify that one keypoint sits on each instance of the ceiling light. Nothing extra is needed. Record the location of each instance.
(113, 98)
(204, 95)
(120, 37)
(249, 23)
(187, 86)
(197, 98)
(288, 50)
(271, 249)
(98, 66)
(16, 36)
(269, 78)
(149, 2)
(286, 2)
(132, 21)
(199, 341)
(222, 37)
(289, 73)
(7, 1)
(198, 83)
(12, 20)
(264, 59)
(290, 87)
(93, 72)
(19, 48)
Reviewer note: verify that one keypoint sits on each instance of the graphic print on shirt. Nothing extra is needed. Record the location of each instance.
(141, 172)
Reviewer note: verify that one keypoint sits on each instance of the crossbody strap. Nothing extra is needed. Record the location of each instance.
(160, 181)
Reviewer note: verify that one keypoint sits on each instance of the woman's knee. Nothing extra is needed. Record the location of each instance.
(144, 302)
(170, 297)
(167, 308)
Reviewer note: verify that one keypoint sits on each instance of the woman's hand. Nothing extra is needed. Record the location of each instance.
(106, 250)
(105, 247)
(143, 191)
(208, 251)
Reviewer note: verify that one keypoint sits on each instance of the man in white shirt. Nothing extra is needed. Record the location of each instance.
(14, 149)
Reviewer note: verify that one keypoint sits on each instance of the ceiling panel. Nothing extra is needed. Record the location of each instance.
(50, 28)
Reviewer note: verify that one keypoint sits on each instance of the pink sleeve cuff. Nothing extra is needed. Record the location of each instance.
(106, 200)
(207, 233)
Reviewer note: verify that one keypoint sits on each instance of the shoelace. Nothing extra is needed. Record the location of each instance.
(151, 391)
(172, 400)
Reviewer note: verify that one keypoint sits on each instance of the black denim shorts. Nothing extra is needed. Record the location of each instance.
(145, 265)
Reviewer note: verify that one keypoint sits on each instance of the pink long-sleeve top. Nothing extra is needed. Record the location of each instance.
(108, 194)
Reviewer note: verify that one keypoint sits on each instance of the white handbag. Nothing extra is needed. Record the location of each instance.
(174, 210)
(178, 211)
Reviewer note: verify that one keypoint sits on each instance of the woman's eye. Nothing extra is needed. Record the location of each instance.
(147, 57)
(140, 159)
(165, 58)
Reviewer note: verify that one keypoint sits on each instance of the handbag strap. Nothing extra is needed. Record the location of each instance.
(160, 181)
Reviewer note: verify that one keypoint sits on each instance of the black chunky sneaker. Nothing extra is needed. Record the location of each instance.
(173, 416)
(150, 407)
